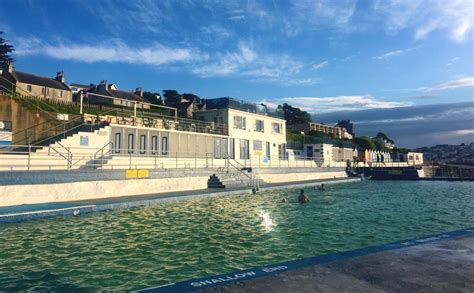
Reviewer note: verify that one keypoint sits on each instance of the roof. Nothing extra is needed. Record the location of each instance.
(81, 85)
(39, 80)
(127, 96)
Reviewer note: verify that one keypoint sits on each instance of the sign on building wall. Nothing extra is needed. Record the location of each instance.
(84, 141)
(5, 132)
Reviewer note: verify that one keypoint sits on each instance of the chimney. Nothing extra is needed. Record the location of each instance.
(8, 66)
(60, 76)
(102, 85)
(139, 91)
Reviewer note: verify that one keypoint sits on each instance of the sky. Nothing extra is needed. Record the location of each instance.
(325, 56)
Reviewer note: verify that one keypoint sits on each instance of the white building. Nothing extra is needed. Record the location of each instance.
(254, 132)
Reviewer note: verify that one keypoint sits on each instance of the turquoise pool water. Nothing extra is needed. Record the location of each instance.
(138, 248)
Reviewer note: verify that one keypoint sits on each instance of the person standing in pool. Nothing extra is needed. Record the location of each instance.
(303, 198)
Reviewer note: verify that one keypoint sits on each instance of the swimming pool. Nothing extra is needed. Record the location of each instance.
(169, 242)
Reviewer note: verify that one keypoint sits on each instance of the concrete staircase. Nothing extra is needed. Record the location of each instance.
(228, 178)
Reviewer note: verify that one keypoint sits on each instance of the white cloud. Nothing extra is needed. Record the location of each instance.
(452, 61)
(155, 54)
(320, 65)
(457, 83)
(393, 53)
(426, 16)
(338, 103)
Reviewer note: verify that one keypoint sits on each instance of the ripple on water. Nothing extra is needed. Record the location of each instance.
(137, 248)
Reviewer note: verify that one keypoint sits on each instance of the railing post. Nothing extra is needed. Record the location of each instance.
(29, 156)
(81, 95)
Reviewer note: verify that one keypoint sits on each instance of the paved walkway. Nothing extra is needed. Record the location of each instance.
(440, 266)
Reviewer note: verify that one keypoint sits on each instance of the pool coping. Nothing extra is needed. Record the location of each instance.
(274, 269)
(14, 214)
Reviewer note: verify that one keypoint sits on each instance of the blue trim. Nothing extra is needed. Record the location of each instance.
(218, 280)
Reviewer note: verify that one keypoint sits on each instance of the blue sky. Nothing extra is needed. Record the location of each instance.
(323, 56)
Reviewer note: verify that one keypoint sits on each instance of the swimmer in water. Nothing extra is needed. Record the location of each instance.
(321, 187)
(284, 200)
(303, 198)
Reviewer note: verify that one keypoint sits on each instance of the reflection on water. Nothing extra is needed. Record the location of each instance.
(169, 242)
(267, 222)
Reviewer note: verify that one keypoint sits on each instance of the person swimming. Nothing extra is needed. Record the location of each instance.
(303, 198)
(284, 200)
(321, 187)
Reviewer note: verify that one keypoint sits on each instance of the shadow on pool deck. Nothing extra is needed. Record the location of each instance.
(440, 266)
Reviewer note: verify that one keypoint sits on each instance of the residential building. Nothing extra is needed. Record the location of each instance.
(254, 130)
(347, 124)
(109, 94)
(76, 87)
(313, 127)
(186, 108)
(34, 85)
(322, 153)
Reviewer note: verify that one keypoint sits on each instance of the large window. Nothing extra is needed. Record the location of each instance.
(276, 127)
(142, 144)
(217, 147)
(239, 122)
(259, 125)
(267, 150)
(154, 144)
(118, 142)
(164, 145)
(131, 143)
(28, 88)
(232, 148)
(244, 149)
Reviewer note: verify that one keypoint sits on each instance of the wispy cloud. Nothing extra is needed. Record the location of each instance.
(338, 103)
(320, 65)
(394, 53)
(427, 16)
(452, 61)
(116, 51)
(453, 84)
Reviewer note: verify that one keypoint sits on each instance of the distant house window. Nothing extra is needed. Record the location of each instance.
(259, 125)
(60, 94)
(47, 91)
(267, 150)
(28, 88)
(219, 120)
(239, 122)
(232, 148)
(244, 149)
(43, 90)
(276, 127)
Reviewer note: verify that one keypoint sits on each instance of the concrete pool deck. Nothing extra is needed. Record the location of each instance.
(437, 263)
(26, 212)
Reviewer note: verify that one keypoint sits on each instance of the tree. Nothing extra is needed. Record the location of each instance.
(153, 98)
(172, 98)
(365, 143)
(5, 50)
(294, 115)
(383, 136)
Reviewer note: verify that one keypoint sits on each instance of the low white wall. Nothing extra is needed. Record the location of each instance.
(43, 193)
(294, 177)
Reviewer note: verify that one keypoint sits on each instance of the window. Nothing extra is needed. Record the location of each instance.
(267, 150)
(219, 120)
(244, 149)
(60, 94)
(142, 144)
(154, 144)
(28, 88)
(224, 148)
(43, 90)
(239, 122)
(164, 146)
(257, 145)
(130, 143)
(217, 147)
(118, 142)
(47, 91)
(259, 125)
(232, 148)
(276, 127)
